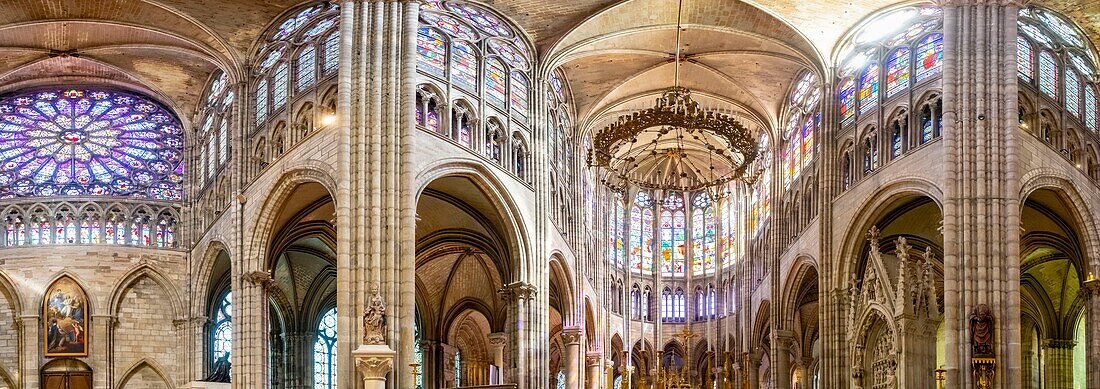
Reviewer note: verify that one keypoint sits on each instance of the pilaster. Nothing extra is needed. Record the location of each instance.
(981, 205)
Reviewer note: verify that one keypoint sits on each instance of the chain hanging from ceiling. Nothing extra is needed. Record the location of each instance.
(675, 145)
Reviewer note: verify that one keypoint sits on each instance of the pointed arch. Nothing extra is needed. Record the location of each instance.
(135, 274)
(145, 363)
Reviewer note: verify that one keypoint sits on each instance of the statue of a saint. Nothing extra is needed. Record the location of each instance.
(374, 319)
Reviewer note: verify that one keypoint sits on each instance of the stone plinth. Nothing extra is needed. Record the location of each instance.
(373, 363)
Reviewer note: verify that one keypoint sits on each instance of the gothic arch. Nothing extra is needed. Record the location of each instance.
(145, 363)
(307, 172)
(136, 274)
(879, 202)
(1082, 211)
(506, 207)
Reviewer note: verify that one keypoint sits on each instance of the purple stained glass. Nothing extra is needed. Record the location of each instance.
(482, 18)
(509, 53)
(301, 19)
(83, 142)
(451, 25)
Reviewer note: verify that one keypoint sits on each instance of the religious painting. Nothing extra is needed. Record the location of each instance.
(65, 311)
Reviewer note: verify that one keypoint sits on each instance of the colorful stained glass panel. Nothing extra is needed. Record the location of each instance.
(1024, 59)
(464, 66)
(495, 83)
(432, 54)
(1048, 74)
(868, 89)
(88, 142)
(929, 57)
(847, 97)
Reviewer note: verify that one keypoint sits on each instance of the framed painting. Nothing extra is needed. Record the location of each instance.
(65, 313)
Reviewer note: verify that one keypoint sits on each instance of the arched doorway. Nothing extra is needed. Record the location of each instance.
(66, 374)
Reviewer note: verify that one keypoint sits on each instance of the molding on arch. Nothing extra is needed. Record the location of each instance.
(1055, 180)
(498, 195)
(145, 362)
(135, 274)
(800, 269)
(310, 171)
(873, 208)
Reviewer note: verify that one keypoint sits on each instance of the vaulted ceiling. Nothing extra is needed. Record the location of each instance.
(613, 51)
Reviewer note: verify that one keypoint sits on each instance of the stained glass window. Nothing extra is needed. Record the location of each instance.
(458, 368)
(1024, 58)
(673, 234)
(509, 53)
(636, 237)
(89, 142)
(616, 230)
(896, 141)
(450, 25)
(519, 94)
(223, 328)
(495, 82)
(808, 139)
(1048, 74)
(319, 28)
(432, 54)
(279, 86)
(847, 99)
(464, 65)
(791, 156)
(301, 19)
(418, 354)
(897, 72)
(1073, 93)
(868, 88)
(728, 240)
(324, 352)
(1035, 33)
(307, 68)
(482, 18)
(704, 233)
(926, 125)
(561, 380)
(216, 88)
(1090, 108)
(272, 57)
(1061, 28)
(332, 52)
(930, 57)
(647, 240)
(223, 141)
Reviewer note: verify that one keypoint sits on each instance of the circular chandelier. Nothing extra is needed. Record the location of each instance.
(675, 145)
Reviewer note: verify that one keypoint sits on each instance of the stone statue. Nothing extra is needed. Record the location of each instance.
(981, 332)
(374, 319)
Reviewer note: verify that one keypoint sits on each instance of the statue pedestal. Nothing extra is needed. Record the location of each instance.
(373, 362)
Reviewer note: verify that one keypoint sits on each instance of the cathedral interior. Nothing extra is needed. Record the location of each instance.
(571, 194)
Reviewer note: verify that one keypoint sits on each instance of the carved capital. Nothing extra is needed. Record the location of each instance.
(1091, 287)
(374, 368)
(498, 339)
(592, 360)
(259, 278)
(1060, 344)
(517, 291)
(572, 335)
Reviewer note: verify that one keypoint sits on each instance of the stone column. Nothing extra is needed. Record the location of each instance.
(1091, 290)
(28, 328)
(573, 357)
(981, 196)
(497, 341)
(753, 368)
(806, 374)
(374, 362)
(782, 367)
(1058, 363)
(592, 371)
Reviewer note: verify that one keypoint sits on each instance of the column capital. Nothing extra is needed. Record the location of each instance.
(518, 290)
(572, 335)
(498, 339)
(1059, 343)
(1091, 286)
(374, 361)
(259, 278)
(593, 359)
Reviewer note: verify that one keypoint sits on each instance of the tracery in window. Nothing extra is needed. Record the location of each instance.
(279, 86)
(324, 352)
(930, 56)
(307, 67)
(495, 83)
(641, 234)
(673, 225)
(1024, 59)
(847, 98)
(897, 72)
(868, 88)
(1048, 74)
(1073, 93)
(223, 328)
(704, 232)
(615, 240)
(89, 142)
